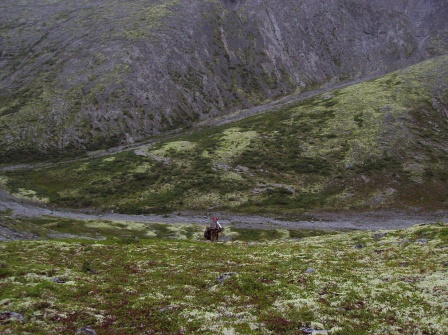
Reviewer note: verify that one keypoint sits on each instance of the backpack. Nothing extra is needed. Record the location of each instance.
(207, 234)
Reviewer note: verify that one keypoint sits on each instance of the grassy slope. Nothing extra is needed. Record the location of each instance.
(379, 144)
(395, 284)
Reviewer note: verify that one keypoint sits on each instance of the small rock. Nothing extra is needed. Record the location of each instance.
(58, 280)
(422, 240)
(445, 264)
(379, 235)
(11, 316)
(168, 308)
(225, 276)
(310, 270)
(85, 331)
(306, 330)
(360, 246)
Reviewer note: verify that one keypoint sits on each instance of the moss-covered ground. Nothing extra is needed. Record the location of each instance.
(391, 282)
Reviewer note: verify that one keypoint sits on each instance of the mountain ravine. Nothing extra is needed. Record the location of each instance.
(82, 75)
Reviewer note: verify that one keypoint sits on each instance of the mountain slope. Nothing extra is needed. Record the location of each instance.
(375, 145)
(81, 75)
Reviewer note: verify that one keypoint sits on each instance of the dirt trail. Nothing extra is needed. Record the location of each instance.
(331, 221)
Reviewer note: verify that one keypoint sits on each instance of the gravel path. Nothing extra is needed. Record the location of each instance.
(331, 221)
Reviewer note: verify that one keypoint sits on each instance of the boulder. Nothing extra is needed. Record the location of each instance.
(225, 276)
(85, 331)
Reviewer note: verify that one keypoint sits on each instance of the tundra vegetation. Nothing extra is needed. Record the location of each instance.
(377, 144)
(78, 76)
(167, 281)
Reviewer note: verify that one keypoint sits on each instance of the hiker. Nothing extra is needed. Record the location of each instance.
(212, 232)
(215, 224)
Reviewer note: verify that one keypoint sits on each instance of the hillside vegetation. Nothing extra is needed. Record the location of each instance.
(391, 282)
(82, 75)
(378, 144)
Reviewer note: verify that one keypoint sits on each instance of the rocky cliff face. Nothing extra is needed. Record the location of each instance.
(79, 75)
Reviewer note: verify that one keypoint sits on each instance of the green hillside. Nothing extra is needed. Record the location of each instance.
(391, 282)
(378, 144)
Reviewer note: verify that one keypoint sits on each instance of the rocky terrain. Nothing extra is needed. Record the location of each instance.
(83, 75)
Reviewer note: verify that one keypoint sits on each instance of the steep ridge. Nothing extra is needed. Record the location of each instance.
(83, 75)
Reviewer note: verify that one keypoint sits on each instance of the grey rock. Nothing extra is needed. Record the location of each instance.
(11, 316)
(310, 270)
(307, 330)
(169, 308)
(422, 240)
(360, 246)
(85, 331)
(59, 280)
(225, 276)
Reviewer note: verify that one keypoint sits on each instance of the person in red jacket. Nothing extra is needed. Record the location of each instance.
(215, 224)
(212, 232)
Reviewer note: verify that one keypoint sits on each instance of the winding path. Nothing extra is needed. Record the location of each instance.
(330, 221)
